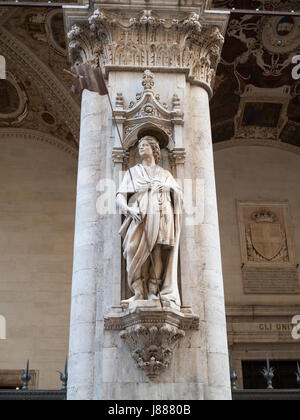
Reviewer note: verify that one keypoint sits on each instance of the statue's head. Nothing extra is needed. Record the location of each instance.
(154, 145)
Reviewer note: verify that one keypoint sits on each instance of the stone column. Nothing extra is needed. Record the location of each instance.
(204, 266)
(88, 246)
(128, 41)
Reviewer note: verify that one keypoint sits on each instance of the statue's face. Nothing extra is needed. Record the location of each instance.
(145, 149)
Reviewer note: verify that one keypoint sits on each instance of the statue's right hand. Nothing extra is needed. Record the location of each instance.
(135, 215)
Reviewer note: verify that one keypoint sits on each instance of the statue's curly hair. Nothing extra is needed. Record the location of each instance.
(154, 145)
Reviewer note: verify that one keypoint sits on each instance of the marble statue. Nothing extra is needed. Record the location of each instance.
(151, 199)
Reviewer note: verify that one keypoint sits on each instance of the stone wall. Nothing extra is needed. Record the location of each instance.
(37, 211)
(258, 324)
(254, 174)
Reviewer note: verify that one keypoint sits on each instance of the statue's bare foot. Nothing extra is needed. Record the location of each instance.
(133, 299)
(152, 296)
(153, 289)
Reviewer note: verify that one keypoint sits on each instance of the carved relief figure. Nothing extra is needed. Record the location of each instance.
(151, 199)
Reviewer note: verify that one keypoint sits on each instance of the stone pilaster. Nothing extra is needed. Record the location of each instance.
(181, 46)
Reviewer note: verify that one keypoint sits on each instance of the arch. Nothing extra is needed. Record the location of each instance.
(21, 110)
(47, 81)
(256, 142)
(2, 328)
(21, 133)
(149, 128)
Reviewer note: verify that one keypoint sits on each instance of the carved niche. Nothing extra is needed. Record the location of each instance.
(268, 257)
(151, 331)
(146, 114)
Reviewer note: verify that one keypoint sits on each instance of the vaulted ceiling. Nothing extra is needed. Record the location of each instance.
(36, 95)
(256, 96)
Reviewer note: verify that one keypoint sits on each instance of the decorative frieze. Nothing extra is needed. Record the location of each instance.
(146, 40)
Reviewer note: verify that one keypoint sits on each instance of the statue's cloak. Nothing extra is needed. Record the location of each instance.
(162, 215)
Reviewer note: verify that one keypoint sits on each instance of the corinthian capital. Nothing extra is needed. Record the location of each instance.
(183, 43)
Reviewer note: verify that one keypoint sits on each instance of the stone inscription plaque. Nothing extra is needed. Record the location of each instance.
(271, 280)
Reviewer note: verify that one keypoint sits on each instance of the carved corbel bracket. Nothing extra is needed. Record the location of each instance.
(151, 332)
(119, 155)
(177, 157)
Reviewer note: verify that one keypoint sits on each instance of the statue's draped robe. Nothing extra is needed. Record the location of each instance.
(162, 215)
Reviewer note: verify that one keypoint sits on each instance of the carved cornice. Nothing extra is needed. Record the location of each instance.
(119, 155)
(182, 43)
(177, 157)
(25, 134)
(37, 71)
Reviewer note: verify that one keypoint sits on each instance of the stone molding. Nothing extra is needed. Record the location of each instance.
(25, 134)
(277, 144)
(151, 332)
(244, 312)
(260, 324)
(37, 71)
(181, 42)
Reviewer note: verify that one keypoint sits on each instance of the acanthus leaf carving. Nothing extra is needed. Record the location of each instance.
(152, 333)
(152, 346)
(146, 40)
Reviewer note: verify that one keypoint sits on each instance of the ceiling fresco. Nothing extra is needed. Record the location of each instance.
(255, 76)
(41, 33)
(255, 95)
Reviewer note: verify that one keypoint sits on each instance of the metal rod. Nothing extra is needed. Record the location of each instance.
(19, 3)
(25, 377)
(256, 12)
(32, 4)
(268, 373)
